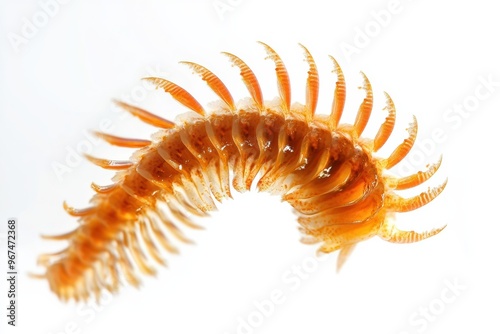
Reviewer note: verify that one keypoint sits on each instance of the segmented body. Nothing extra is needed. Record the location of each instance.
(327, 173)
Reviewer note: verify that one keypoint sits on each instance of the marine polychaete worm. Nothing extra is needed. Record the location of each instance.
(328, 173)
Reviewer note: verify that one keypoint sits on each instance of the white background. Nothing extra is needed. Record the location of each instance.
(59, 81)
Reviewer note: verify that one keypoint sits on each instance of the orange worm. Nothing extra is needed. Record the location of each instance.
(340, 190)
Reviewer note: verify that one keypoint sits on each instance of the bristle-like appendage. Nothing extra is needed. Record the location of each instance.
(214, 83)
(312, 85)
(122, 142)
(365, 109)
(249, 79)
(146, 116)
(386, 128)
(178, 93)
(282, 78)
(404, 148)
(339, 96)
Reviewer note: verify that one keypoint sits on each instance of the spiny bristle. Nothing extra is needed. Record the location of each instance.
(386, 128)
(178, 93)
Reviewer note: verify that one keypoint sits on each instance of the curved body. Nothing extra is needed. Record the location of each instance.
(324, 169)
